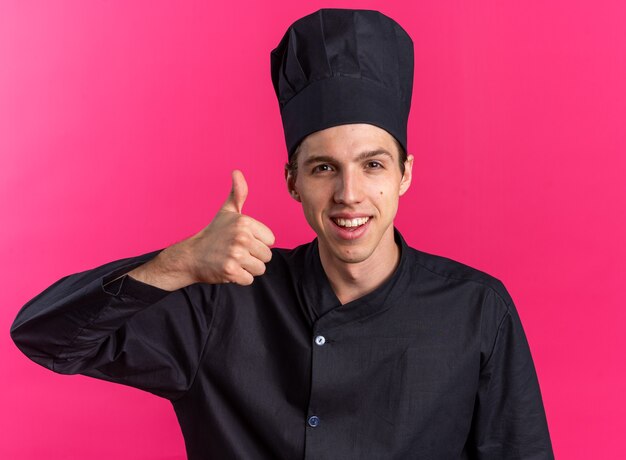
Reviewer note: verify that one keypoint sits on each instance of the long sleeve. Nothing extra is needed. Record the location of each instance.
(105, 325)
(509, 418)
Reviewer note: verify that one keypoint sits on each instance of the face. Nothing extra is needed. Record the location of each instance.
(349, 183)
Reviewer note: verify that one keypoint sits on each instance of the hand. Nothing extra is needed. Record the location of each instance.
(233, 248)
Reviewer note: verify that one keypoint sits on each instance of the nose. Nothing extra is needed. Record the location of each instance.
(348, 188)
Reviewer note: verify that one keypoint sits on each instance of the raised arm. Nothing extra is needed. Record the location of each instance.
(143, 321)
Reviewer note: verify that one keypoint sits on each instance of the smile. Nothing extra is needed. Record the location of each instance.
(357, 222)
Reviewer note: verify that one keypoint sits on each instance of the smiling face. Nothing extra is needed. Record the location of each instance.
(349, 183)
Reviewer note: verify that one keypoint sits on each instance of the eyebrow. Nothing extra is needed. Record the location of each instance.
(360, 157)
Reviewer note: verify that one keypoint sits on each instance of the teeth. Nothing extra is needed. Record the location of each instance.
(351, 222)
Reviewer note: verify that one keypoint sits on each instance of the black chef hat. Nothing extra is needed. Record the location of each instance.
(339, 66)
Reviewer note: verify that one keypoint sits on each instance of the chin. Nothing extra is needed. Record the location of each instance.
(352, 256)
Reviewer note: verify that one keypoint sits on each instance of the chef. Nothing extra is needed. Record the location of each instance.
(352, 346)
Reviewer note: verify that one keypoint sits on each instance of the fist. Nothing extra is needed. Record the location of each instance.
(233, 248)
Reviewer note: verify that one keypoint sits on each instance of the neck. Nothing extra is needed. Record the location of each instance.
(351, 280)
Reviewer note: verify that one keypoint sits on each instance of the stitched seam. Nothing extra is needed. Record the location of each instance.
(332, 77)
(491, 288)
(127, 268)
(493, 347)
(321, 16)
(80, 331)
(356, 44)
(204, 346)
(107, 306)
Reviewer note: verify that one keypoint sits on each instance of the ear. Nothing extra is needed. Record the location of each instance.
(290, 179)
(408, 175)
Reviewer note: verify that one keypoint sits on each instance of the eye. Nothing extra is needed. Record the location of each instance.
(374, 164)
(322, 168)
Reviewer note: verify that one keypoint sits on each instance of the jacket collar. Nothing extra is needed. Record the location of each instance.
(322, 304)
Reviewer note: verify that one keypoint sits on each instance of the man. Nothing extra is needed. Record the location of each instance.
(353, 346)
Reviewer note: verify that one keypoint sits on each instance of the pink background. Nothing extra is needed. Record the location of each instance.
(121, 121)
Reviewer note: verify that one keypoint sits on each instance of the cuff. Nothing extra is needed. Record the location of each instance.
(130, 287)
(118, 283)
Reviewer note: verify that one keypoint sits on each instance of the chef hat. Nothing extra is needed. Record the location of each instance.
(339, 66)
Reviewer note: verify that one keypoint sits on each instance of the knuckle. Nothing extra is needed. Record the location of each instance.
(230, 267)
(239, 255)
(234, 250)
(241, 239)
(241, 222)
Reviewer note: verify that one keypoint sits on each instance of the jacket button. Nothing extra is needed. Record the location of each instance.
(320, 340)
(314, 421)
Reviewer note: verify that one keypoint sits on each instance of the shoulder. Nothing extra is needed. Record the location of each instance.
(444, 270)
(290, 262)
(290, 256)
(461, 287)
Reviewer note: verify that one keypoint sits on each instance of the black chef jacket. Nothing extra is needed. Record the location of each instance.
(433, 364)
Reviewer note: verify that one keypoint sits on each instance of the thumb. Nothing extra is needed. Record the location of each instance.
(238, 193)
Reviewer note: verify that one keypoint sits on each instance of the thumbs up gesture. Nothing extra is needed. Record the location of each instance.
(233, 248)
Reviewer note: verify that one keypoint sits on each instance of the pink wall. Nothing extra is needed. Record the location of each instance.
(121, 121)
